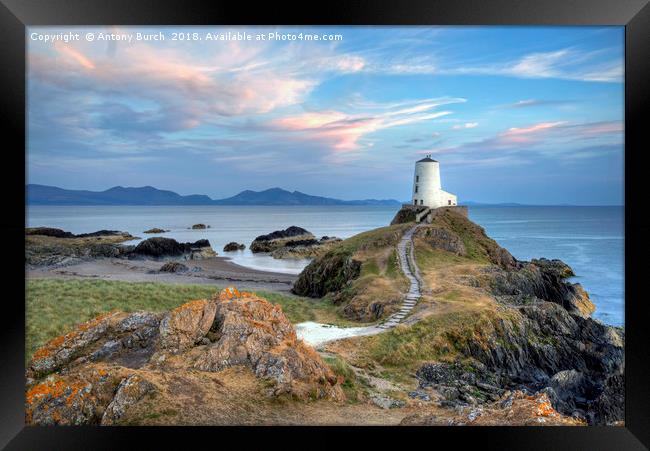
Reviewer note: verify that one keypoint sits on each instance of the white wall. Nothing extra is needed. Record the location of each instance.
(429, 191)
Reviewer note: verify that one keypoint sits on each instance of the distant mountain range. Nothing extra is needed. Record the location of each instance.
(148, 195)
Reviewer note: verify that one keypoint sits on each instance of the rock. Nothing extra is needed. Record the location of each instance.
(273, 352)
(609, 406)
(200, 227)
(328, 273)
(71, 400)
(159, 247)
(173, 267)
(407, 214)
(183, 327)
(419, 394)
(386, 402)
(520, 409)
(556, 267)
(541, 280)
(58, 233)
(126, 338)
(309, 248)
(103, 232)
(48, 231)
(459, 384)
(110, 365)
(63, 349)
(279, 238)
(439, 238)
(233, 246)
(155, 230)
(542, 347)
(131, 390)
(54, 247)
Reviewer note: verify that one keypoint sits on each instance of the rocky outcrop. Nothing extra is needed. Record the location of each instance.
(131, 390)
(516, 408)
(407, 214)
(103, 368)
(451, 231)
(46, 246)
(159, 247)
(273, 351)
(200, 227)
(173, 267)
(577, 361)
(326, 274)
(155, 230)
(48, 231)
(233, 246)
(306, 248)
(185, 326)
(71, 399)
(540, 279)
(58, 233)
(279, 238)
(125, 338)
(443, 239)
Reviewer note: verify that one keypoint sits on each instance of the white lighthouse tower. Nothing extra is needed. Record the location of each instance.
(427, 189)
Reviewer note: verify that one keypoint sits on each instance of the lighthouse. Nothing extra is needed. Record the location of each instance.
(427, 189)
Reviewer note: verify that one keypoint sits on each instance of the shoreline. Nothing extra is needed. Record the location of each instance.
(216, 270)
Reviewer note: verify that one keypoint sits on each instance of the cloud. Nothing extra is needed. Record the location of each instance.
(342, 131)
(567, 64)
(465, 125)
(529, 103)
(559, 140)
(182, 92)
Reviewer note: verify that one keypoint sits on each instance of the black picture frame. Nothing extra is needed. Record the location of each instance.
(15, 15)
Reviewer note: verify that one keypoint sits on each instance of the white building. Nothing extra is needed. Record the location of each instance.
(427, 190)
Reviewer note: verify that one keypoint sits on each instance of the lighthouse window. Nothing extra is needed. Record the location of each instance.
(421, 202)
(417, 178)
(416, 188)
(415, 202)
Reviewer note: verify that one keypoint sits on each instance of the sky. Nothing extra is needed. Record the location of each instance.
(513, 114)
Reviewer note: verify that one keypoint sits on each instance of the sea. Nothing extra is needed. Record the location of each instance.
(589, 239)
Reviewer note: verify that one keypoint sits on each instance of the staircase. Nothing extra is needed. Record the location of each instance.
(408, 266)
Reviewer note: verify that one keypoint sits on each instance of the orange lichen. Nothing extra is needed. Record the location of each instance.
(54, 389)
(195, 306)
(544, 408)
(229, 293)
(49, 347)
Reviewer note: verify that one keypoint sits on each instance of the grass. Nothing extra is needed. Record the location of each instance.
(351, 385)
(435, 338)
(54, 306)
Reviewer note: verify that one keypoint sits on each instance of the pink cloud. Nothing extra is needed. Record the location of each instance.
(526, 134)
(188, 91)
(67, 51)
(343, 131)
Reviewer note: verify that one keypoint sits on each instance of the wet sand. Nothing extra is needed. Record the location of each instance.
(218, 271)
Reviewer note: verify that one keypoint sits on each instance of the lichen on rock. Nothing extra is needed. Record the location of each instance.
(106, 366)
(184, 326)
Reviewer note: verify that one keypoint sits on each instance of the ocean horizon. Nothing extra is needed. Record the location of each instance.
(588, 238)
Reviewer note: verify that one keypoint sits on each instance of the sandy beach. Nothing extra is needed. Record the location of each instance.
(218, 270)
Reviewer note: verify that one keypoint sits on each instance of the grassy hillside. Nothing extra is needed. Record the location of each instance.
(361, 275)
